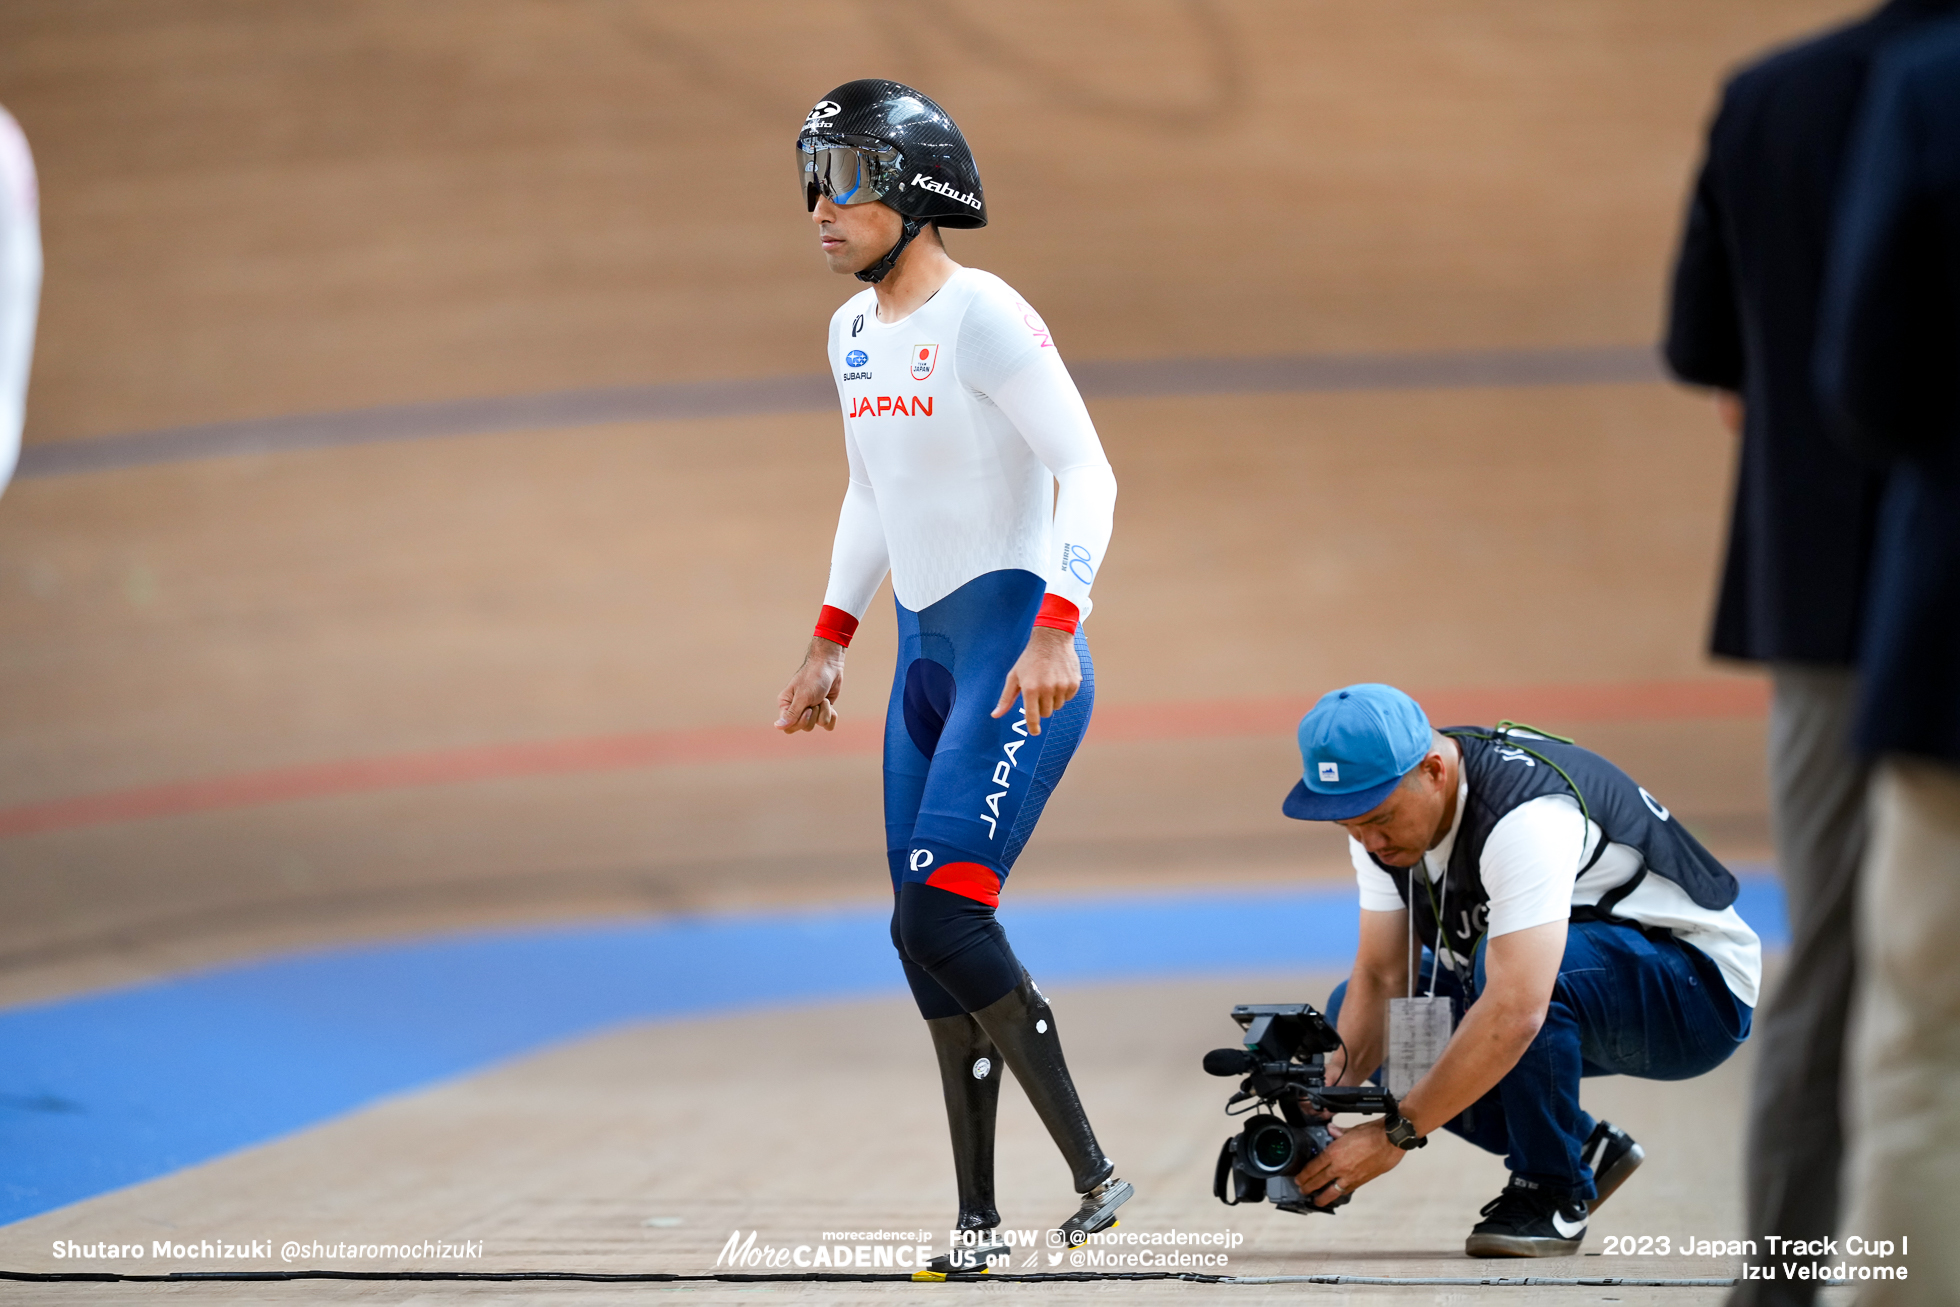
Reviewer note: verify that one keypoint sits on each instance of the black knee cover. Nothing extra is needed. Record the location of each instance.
(954, 944)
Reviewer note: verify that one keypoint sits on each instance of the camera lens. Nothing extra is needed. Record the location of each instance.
(1272, 1148)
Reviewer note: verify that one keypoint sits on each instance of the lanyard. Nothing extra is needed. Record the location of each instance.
(1442, 931)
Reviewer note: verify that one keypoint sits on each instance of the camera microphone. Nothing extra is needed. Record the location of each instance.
(1229, 1062)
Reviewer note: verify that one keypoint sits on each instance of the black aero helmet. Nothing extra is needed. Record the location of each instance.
(878, 140)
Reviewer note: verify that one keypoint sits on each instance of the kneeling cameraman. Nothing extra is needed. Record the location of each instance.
(1583, 932)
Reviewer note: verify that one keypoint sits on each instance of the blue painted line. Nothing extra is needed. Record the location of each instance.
(109, 1089)
(1761, 905)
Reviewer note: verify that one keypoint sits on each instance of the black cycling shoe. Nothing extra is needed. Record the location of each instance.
(1613, 1156)
(969, 1259)
(1528, 1221)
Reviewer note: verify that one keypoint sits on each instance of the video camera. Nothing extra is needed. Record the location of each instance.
(1283, 1062)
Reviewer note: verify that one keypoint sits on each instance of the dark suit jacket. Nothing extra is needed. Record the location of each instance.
(1744, 318)
(1889, 373)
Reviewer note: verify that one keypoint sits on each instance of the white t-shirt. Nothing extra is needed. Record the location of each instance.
(20, 284)
(1530, 871)
(960, 424)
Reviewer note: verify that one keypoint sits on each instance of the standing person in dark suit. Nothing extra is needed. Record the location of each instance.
(1744, 321)
(1889, 373)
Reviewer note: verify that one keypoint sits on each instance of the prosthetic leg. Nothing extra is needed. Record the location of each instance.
(1022, 1026)
(969, 1076)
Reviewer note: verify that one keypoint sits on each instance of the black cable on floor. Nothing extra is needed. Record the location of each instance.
(820, 1277)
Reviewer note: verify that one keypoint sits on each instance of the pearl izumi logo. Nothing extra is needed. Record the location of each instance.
(926, 183)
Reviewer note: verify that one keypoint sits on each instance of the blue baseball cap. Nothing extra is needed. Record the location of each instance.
(1355, 747)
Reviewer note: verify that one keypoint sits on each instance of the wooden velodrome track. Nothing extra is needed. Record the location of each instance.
(367, 688)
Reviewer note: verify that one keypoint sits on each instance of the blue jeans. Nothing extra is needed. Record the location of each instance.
(1625, 1004)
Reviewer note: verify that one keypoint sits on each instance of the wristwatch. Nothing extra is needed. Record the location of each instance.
(1402, 1132)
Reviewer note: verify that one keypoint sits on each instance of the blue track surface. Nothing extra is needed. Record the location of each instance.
(109, 1089)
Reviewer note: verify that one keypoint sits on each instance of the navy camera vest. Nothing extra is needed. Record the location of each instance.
(1506, 768)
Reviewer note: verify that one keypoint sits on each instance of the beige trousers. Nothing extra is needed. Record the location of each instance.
(1904, 1080)
(1818, 793)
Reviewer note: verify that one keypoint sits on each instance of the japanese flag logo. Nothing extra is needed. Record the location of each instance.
(924, 359)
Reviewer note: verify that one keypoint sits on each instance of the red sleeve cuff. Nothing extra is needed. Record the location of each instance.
(1059, 613)
(836, 625)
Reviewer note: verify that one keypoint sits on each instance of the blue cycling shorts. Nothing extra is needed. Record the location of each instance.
(963, 789)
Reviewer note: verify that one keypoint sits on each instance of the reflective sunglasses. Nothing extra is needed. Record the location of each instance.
(845, 173)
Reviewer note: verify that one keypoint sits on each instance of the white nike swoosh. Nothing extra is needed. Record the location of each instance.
(1568, 1229)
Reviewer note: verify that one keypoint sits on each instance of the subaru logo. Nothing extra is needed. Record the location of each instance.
(857, 358)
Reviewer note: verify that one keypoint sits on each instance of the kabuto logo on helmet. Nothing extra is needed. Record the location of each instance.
(825, 109)
(941, 188)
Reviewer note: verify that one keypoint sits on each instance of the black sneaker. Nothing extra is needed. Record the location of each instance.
(1528, 1221)
(1613, 1156)
(969, 1259)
